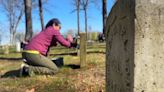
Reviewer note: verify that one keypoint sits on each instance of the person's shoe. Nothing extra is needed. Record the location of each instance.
(58, 61)
(25, 71)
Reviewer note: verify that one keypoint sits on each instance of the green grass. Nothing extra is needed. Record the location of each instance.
(88, 79)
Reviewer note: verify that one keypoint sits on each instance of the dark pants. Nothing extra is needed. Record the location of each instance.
(40, 64)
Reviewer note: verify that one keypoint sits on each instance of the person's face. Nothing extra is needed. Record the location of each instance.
(57, 27)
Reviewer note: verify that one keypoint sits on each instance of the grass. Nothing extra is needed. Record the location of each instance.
(88, 79)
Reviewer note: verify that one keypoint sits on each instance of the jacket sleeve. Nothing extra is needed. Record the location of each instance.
(59, 38)
(53, 42)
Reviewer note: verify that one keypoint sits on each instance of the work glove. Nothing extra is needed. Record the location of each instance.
(73, 45)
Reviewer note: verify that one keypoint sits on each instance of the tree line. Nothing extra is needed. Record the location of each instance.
(14, 10)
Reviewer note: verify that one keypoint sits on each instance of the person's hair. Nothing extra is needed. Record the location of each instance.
(53, 21)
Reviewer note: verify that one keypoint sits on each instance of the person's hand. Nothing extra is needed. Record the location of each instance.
(73, 45)
(69, 38)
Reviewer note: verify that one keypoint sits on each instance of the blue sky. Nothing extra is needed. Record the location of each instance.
(61, 9)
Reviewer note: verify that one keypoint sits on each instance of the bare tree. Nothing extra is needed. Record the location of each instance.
(14, 11)
(39, 4)
(76, 3)
(84, 4)
(28, 17)
(104, 14)
(41, 13)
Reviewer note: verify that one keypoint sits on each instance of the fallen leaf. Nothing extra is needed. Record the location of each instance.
(31, 90)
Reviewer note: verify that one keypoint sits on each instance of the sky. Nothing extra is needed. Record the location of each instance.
(61, 9)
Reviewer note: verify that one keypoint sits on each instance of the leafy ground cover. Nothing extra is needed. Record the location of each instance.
(69, 78)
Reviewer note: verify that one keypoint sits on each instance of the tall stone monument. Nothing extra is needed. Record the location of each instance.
(135, 46)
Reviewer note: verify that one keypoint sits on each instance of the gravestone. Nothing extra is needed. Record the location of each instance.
(18, 47)
(135, 46)
(83, 52)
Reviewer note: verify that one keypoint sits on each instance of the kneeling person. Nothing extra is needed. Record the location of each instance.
(35, 52)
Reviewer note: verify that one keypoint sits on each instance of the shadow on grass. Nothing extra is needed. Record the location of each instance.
(59, 62)
(11, 74)
(14, 59)
(15, 73)
(75, 53)
(73, 66)
(71, 53)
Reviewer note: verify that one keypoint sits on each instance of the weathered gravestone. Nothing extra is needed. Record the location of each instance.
(135, 46)
(83, 51)
(18, 47)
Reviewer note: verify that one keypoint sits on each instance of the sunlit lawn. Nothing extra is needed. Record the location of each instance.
(88, 79)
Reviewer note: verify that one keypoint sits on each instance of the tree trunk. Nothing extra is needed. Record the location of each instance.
(16, 25)
(28, 17)
(78, 16)
(86, 23)
(41, 14)
(11, 30)
(84, 4)
(104, 13)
